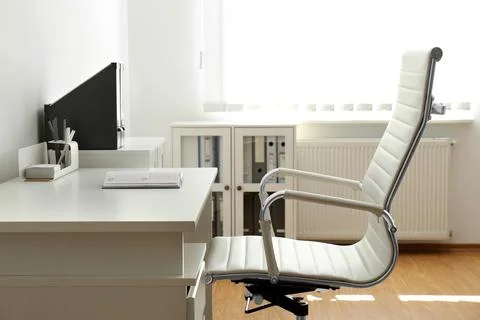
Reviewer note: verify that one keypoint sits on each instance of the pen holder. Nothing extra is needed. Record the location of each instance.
(34, 162)
(64, 154)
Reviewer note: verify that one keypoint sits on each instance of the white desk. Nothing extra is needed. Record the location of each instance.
(71, 250)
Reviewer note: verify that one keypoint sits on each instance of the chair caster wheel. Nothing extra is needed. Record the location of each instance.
(258, 299)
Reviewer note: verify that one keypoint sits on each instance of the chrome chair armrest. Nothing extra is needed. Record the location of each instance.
(354, 184)
(308, 175)
(334, 201)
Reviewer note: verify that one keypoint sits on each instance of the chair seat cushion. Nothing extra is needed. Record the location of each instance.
(244, 255)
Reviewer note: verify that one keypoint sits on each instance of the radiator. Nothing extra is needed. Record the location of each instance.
(420, 208)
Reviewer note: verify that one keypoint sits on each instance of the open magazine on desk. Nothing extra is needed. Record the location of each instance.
(142, 179)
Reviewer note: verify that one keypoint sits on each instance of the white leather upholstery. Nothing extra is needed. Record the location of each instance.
(370, 259)
(362, 262)
(403, 125)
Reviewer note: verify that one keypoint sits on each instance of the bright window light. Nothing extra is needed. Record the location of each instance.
(438, 298)
(344, 297)
(291, 54)
(354, 297)
(313, 298)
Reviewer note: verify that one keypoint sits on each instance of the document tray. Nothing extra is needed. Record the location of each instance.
(141, 179)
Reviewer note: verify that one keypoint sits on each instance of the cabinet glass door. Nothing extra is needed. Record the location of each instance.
(202, 152)
(257, 151)
(197, 147)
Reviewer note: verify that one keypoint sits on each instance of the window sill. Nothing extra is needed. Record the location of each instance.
(375, 117)
(337, 117)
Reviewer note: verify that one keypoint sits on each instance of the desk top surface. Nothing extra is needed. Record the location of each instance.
(77, 203)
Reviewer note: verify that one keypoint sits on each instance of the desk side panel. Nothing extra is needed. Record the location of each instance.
(203, 230)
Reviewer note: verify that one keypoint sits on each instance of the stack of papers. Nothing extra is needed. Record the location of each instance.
(142, 179)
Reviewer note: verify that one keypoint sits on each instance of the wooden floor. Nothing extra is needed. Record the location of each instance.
(451, 280)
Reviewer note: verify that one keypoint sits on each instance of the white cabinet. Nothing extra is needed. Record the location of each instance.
(243, 153)
(138, 152)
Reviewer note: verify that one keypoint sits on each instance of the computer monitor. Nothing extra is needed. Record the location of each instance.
(93, 110)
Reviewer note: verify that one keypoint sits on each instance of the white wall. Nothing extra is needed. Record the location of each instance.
(165, 80)
(47, 48)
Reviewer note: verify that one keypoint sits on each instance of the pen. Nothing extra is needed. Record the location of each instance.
(55, 129)
(52, 130)
(62, 155)
(68, 138)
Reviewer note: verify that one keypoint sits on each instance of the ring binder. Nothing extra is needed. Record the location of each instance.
(281, 155)
(259, 165)
(271, 155)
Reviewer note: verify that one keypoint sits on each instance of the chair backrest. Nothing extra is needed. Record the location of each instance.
(377, 252)
(394, 152)
(410, 115)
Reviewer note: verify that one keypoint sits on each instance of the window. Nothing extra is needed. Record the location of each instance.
(301, 54)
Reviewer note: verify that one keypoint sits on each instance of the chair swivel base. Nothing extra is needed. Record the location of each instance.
(278, 295)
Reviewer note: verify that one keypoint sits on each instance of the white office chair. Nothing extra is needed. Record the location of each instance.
(273, 268)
